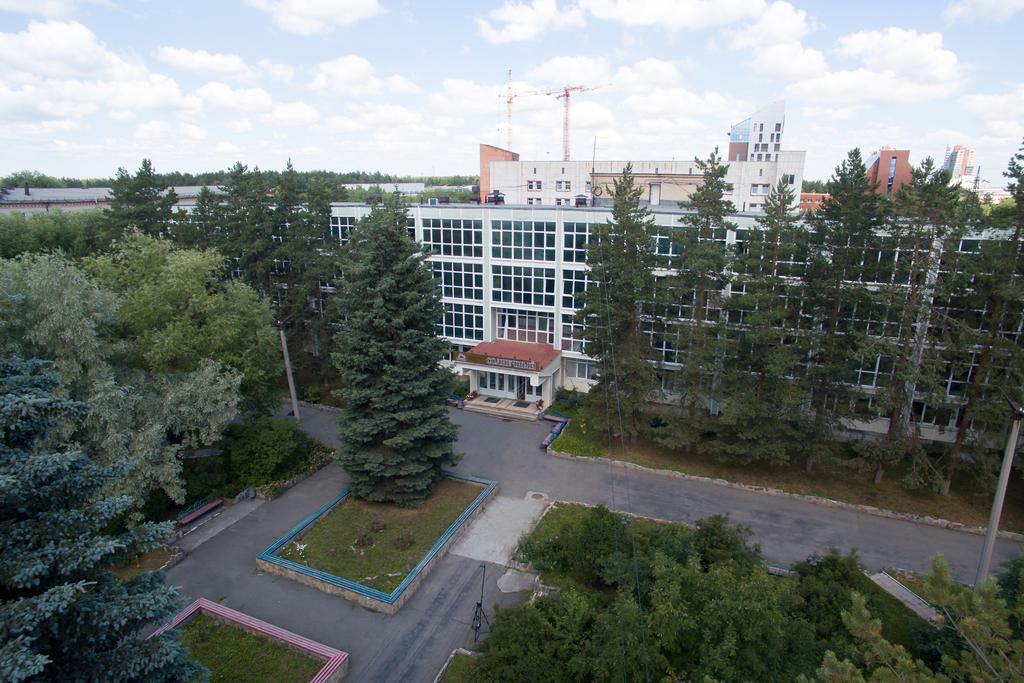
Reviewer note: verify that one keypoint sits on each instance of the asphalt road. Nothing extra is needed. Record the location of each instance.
(788, 530)
(413, 644)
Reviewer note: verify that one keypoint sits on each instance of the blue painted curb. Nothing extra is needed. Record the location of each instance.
(269, 555)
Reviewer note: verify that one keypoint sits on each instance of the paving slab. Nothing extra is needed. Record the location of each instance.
(495, 533)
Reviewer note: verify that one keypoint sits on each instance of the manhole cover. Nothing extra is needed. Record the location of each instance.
(537, 496)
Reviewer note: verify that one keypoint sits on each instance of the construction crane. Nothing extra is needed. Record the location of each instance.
(564, 93)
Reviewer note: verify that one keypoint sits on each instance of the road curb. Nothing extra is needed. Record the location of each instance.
(817, 500)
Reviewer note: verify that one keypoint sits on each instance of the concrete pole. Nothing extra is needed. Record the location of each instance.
(997, 502)
(288, 372)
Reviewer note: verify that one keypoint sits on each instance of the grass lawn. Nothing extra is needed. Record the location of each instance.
(458, 670)
(234, 655)
(967, 503)
(376, 544)
(147, 562)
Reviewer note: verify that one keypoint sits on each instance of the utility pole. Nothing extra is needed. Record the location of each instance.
(288, 372)
(997, 503)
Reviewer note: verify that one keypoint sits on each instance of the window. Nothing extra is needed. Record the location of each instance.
(526, 326)
(588, 186)
(529, 240)
(462, 321)
(574, 283)
(778, 127)
(574, 240)
(459, 280)
(790, 178)
(453, 237)
(778, 147)
(580, 369)
(568, 186)
(236, 267)
(341, 227)
(533, 200)
(410, 227)
(563, 201)
(523, 285)
(533, 185)
(562, 186)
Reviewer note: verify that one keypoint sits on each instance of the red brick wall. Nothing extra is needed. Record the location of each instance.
(489, 153)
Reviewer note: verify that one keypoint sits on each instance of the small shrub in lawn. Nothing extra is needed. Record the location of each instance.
(404, 541)
(377, 525)
(365, 541)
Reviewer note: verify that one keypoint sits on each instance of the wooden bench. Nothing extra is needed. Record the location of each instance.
(199, 512)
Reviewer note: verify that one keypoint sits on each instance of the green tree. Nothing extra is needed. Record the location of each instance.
(141, 201)
(621, 258)
(246, 229)
(75, 233)
(26, 178)
(691, 301)
(263, 450)
(396, 437)
(133, 414)
(763, 399)
(175, 311)
(845, 235)
(63, 615)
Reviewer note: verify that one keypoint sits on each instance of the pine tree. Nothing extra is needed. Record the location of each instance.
(763, 399)
(63, 615)
(141, 201)
(925, 223)
(621, 257)
(845, 237)
(692, 302)
(247, 225)
(396, 437)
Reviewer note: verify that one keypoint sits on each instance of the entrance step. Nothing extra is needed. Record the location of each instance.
(478, 405)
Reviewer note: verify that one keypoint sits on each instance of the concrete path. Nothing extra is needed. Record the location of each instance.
(494, 535)
(217, 522)
(905, 595)
(788, 530)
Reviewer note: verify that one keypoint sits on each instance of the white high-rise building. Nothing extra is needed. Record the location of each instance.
(959, 161)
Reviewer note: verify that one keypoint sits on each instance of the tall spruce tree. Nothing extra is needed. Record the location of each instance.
(621, 257)
(692, 302)
(396, 437)
(63, 615)
(846, 230)
(763, 398)
(141, 201)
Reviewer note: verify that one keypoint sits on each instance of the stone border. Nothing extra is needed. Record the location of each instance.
(319, 406)
(448, 662)
(335, 661)
(817, 500)
(370, 598)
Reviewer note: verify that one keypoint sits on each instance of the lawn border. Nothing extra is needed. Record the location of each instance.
(336, 661)
(371, 598)
(818, 500)
(448, 662)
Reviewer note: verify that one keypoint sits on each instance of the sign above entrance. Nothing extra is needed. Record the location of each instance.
(495, 361)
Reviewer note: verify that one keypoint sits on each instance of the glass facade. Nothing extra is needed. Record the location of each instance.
(523, 285)
(453, 237)
(523, 240)
(459, 280)
(462, 321)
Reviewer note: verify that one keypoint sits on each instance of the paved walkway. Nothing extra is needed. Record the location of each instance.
(788, 530)
(496, 532)
(217, 522)
(905, 595)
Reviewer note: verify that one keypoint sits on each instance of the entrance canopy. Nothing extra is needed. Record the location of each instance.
(509, 355)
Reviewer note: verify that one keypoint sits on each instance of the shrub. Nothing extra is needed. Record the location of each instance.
(263, 450)
(570, 400)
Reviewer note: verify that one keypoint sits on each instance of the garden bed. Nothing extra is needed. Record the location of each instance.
(372, 553)
(238, 648)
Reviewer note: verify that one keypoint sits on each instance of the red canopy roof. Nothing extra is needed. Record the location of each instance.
(541, 354)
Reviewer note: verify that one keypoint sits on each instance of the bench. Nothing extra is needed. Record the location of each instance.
(561, 422)
(199, 512)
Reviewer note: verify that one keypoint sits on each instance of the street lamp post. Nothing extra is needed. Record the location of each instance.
(288, 372)
(997, 503)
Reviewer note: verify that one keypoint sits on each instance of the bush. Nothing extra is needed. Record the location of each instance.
(263, 450)
(570, 400)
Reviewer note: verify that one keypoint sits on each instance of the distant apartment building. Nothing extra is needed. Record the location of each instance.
(754, 168)
(889, 169)
(959, 161)
(812, 201)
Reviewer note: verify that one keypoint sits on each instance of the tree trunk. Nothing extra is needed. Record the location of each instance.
(808, 464)
(879, 473)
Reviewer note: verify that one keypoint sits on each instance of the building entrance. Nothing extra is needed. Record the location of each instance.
(509, 386)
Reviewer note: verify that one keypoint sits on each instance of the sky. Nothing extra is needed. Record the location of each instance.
(400, 86)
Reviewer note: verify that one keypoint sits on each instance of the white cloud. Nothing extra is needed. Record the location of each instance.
(828, 113)
(647, 73)
(312, 17)
(516, 21)
(221, 96)
(982, 10)
(774, 39)
(277, 71)
(355, 75)
(562, 70)
(61, 49)
(1003, 113)
(676, 14)
(151, 130)
(386, 114)
(121, 115)
(677, 101)
(292, 114)
(201, 61)
(472, 97)
(191, 131)
(47, 8)
(897, 65)
(243, 125)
